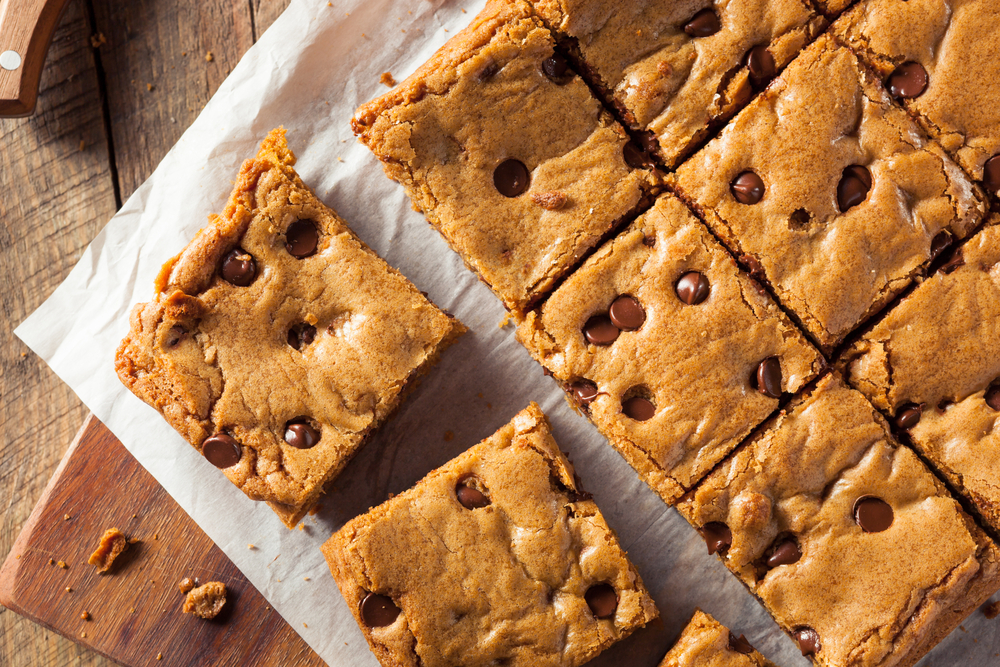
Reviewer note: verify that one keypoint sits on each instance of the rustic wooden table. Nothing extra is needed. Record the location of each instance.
(122, 81)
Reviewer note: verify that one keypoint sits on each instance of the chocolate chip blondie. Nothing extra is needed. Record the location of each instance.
(496, 558)
(938, 58)
(276, 340)
(508, 154)
(830, 192)
(672, 351)
(851, 543)
(707, 643)
(676, 70)
(933, 364)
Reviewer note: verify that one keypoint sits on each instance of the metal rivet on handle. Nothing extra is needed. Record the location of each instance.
(10, 60)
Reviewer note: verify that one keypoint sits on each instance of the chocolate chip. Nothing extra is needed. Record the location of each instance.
(470, 497)
(301, 335)
(301, 239)
(991, 174)
(239, 268)
(602, 600)
(378, 611)
(748, 188)
(703, 24)
(786, 552)
(300, 434)
(769, 377)
(873, 514)
(649, 241)
(511, 178)
(908, 80)
(908, 415)
(956, 261)
(993, 397)
(940, 243)
(807, 639)
(740, 644)
(761, 64)
(717, 536)
(638, 408)
(634, 156)
(693, 288)
(175, 335)
(584, 391)
(627, 313)
(600, 330)
(855, 182)
(557, 69)
(222, 450)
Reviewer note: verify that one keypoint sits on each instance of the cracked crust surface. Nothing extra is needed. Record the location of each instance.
(940, 347)
(664, 81)
(705, 643)
(874, 598)
(501, 584)
(215, 357)
(694, 362)
(484, 99)
(832, 269)
(956, 43)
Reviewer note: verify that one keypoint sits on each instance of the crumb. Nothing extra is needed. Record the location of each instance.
(387, 80)
(52, 561)
(133, 540)
(448, 436)
(251, 547)
(479, 395)
(305, 625)
(113, 543)
(207, 600)
(63, 565)
(98, 40)
(185, 585)
(305, 578)
(85, 616)
(132, 610)
(149, 87)
(156, 536)
(24, 354)
(83, 634)
(505, 321)
(992, 610)
(340, 159)
(134, 516)
(159, 656)
(209, 57)
(301, 527)
(66, 517)
(69, 590)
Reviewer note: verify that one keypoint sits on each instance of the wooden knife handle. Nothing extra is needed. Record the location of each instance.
(26, 28)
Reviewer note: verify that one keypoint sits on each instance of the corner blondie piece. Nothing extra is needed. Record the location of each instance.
(508, 153)
(664, 343)
(855, 548)
(707, 643)
(939, 59)
(496, 558)
(934, 364)
(829, 192)
(277, 340)
(676, 70)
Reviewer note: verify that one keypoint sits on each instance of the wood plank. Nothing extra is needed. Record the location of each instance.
(135, 609)
(57, 193)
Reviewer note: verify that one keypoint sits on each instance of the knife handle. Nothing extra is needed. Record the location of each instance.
(26, 28)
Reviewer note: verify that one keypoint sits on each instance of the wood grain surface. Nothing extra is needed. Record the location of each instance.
(133, 612)
(59, 184)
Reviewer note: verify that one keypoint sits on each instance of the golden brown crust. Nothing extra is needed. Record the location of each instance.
(706, 643)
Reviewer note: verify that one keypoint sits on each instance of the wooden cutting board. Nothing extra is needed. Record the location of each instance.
(135, 609)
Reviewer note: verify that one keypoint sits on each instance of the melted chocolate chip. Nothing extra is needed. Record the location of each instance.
(511, 178)
(634, 157)
(638, 408)
(470, 497)
(300, 434)
(760, 63)
(301, 335)
(941, 241)
(909, 80)
(378, 611)
(991, 175)
(785, 552)
(175, 335)
(584, 391)
(908, 415)
(239, 268)
(703, 24)
(747, 188)
(600, 330)
(717, 536)
(993, 397)
(557, 69)
(956, 261)
(769, 377)
(627, 313)
(807, 639)
(693, 288)
(602, 600)
(873, 514)
(853, 188)
(740, 644)
(222, 450)
(302, 239)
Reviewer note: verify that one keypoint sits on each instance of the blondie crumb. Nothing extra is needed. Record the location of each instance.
(113, 543)
(185, 585)
(207, 600)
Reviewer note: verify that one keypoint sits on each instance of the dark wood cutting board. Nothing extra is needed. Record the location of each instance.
(135, 609)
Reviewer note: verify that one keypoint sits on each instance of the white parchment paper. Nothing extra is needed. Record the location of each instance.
(309, 72)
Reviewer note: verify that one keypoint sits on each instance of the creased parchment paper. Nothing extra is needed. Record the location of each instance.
(309, 72)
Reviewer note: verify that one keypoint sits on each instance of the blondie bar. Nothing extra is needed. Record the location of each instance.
(707, 643)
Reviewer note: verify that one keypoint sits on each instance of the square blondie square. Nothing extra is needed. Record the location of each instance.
(672, 351)
(933, 364)
(277, 340)
(830, 192)
(849, 541)
(707, 643)
(496, 558)
(939, 59)
(508, 153)
(676, 70)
